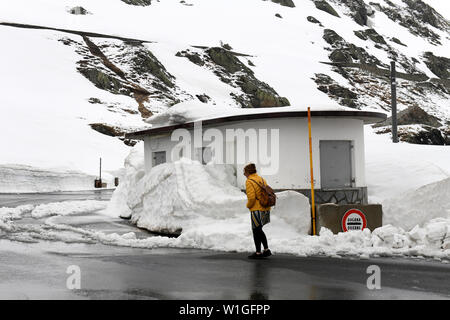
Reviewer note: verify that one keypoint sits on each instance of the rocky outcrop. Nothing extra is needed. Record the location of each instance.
(357, 9)
(194, 57)
(440, 66)
(370, 34)
(113, 131)
(227, 66)
(286, 3)
(144, 62)
(412, 115)
(332, 38)
(325, 6)
(342, 51)
(108, 130)
(103, 80)
(314, 20)
(142, 3)
(397, 41)
(427, 14)
(229, 62)
(420, 135)
(342, 95)
(417, 17)
(78, 10)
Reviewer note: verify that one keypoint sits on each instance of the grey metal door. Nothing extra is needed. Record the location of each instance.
(159, 157)
(335, 164)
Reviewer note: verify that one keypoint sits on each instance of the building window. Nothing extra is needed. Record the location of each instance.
(159, 157)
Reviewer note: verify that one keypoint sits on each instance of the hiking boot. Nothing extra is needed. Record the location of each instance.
(255, 256)
(267, 253)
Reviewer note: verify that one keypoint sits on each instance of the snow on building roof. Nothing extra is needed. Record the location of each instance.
(185, 114)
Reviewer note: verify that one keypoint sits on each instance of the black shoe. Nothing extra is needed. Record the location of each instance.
(255, 256)
(267, 253)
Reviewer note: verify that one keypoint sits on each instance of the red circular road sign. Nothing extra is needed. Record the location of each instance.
(353, 219)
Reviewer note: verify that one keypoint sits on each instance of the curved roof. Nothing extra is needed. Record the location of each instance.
(367, 116)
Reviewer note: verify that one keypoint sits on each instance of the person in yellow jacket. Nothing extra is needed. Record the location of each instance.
(259, 215)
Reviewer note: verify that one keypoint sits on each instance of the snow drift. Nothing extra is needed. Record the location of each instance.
(419, 206)
(20, 178)
(202, 203)
(186, 194)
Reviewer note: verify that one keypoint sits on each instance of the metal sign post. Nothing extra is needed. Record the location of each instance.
(394, 102)
(313, 207)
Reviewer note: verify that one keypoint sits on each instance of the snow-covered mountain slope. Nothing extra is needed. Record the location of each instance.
(68, 95)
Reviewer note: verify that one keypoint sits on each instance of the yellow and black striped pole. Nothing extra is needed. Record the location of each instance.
(313, 207)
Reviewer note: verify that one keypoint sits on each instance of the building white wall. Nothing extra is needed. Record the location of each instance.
(293, 169)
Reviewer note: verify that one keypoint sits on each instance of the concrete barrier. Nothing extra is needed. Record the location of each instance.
(346, 217)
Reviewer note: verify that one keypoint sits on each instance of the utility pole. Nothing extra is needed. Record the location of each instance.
(100, 170)
(394, 102)
(313, 204)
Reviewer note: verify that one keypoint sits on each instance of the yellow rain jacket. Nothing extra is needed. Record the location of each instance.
(254, 192)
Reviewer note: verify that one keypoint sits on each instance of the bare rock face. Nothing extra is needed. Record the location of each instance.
(325, 6)
(332, 38)
(420, 135)
(314, 20)
(440, 66)
(226, 65)
(427, 14)
(417, 17)
(142, 3)
(78, 10)
(370, 34)
(418, 127)
(342, 95)
(286, 3)
(345, 52)
(106, 129)
(412, 115)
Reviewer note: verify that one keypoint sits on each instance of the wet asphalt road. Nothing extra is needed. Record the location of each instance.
(39, 271)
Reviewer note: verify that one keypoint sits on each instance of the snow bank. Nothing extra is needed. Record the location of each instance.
(9, 214)
(418, 206)
(395, 168)
(21, 178)
(203, 203)
(186, 195)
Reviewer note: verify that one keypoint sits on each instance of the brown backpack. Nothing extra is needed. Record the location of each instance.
(268, 197)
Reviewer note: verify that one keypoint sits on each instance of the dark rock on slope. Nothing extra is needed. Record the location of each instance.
(440, 66)
(325, 6)
(412, 115)
(286, 3)
(227, 66)
(142, 3)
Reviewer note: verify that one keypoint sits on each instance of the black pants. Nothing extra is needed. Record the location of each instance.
(259, 237)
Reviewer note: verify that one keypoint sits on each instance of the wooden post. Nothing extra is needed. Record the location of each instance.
(100, 169)
(313, 206)
(394, 103)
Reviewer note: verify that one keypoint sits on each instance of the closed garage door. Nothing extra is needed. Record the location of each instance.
(335, 164)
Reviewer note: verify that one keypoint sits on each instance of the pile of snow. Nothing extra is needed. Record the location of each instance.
(186, 194)
(192, 110)
(393, 169)
(67, 208)
(419, 206)
(9, 214)
(15, 213)
(21, 178)
(203, 202)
